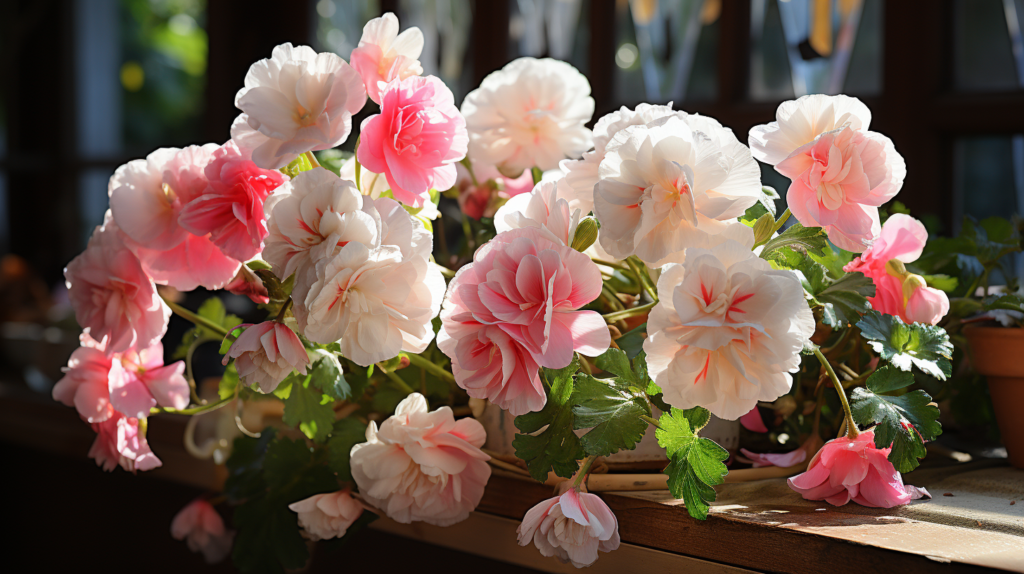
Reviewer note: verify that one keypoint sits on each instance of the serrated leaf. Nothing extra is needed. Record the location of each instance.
(888, 378)
(753, 213)
(347, 433)
(616, 362)
(1006, 303)
(833, 260)
(925, 346)
(612, 413)
(809, 239)
(848, 298)
(557, 448)
(904, 423)
(697, 417)
(327, 375)
(309, 409)
(696, 464)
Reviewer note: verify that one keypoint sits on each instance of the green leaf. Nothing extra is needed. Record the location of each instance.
(612, 413)
(942, 282)
(753, 213)
(925, 346)
(888, 378)
(616, 362)
(695, 466)
(297, 166)
(245, 466)
(904, 422)
(1007, 303)
(556, 447)
(213, 310)
(309, 409)
(327, 375)
(633, 342)
(833, 259)
(347, 433)
(809, 239)
(697, 417)
(847, 298)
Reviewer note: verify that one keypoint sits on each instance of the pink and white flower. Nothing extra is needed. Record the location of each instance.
(139, 381)
(531, 113)
(531, 288)
(666, 184)
(727, 331)
(854, 469)
(416, 139)
(146, 200)
(265, 354)
(571, 527)
(119, 443)
(840, 171)
(203, 529)
(112, 295)
(897, 292)
(85, 382)
(230, 209)
(545, 208)
(330, 515)
(384, 55)
(296, 101)
(422, 466)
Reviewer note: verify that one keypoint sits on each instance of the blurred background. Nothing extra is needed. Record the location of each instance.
(88, 85)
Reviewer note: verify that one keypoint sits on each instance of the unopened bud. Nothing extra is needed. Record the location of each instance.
(586, 234)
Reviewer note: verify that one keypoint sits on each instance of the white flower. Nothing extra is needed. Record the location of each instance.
(422, 466)
(727, 331)
(384, 55)
(544, 208)
(328, 515)
(582, 174)
(297, 101)
(531, 113)
(801, 121)
(665, 184)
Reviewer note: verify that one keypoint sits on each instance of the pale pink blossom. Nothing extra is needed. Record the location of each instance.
(112, 296)
(545, 208)
(727, 331)
(230, 209)
(139, 381)
(325, 516)
(296, 101)
(267, 353)
(85, 382)
(531, 113)
(203, 529)
(897, 292)
(416, 139)
(840, 171)
(523, 288)
(846, 469)
(422, 466)
(384, 55)
(248, 284)
(146, 200)
(571, 527)
(119, 443)
(666, 184)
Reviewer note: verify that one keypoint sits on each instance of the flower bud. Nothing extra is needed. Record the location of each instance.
(586, 234)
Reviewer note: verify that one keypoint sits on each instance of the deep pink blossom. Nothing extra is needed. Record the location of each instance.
(250, 285)
(267, 353)
(203, 529)
(139, 381)
(846, 469)
(571, 527)
(85, 382)
(230, 209)
(112, 295)
(897, 292)
(515, 307)
(118, 443)
(416, 138)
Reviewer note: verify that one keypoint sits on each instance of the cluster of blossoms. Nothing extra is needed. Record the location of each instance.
(725, 327)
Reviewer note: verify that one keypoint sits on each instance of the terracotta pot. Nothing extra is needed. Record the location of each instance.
(997, 353)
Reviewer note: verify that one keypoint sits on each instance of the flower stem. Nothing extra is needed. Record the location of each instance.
(193, 410)
(627, 313)
(651, 421)
(402, 385)
(778, 223)
(312, 159)
(469, 167)
(639, 269)
(613, 264)
(284, 309)
(583, 471)
(418, 361)
(851, 427)
(202, 321)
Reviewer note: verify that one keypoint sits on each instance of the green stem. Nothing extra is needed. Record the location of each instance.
(625, 314)
(469, 167)
(776, 227)
(402, 385)
(426, 365)
(284, 309)
(185, 313)
(312, 159)
(188, 366)
(639, 269)
(651, 421)
(613, 301)
(851, 427)
(613, 264)
(193, 410)
(584, 470)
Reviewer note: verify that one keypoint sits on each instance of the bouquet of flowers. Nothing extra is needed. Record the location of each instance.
(613, 279)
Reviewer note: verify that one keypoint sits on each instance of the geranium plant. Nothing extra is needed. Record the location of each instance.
(644, 281)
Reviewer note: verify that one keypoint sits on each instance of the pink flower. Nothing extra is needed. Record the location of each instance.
(847, 469)
(203, 529)
(545, 208)
(267, 353)
(84, 385)
(785, 459)
(416, 139)
(112, 296)
(753, 422)
(139, 381)
(422, 466)
(384, 55)
(571, 527)
(231, 207)
(529, 288)
(119, 443)
(897, 292)
(146, 200)
(840, 171)
(250, 285)
(325, 516)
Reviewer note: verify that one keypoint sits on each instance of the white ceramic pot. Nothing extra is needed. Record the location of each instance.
(501, 430)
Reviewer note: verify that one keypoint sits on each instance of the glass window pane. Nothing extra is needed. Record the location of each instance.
(983, 58)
